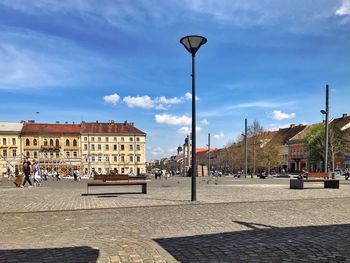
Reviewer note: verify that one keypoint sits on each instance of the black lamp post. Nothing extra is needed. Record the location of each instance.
(326, 114)
(192, 44)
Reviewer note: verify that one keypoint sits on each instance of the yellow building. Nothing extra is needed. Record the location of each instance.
(10, 147)
(55, 146)
(113, 147)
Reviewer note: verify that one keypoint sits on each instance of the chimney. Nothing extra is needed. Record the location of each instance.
(125, 122)
(31, 121)
(345, 115)
(96, 121)
(57, 122)
(132, 124)
(66, 122)
(292, 125)
(73, 122)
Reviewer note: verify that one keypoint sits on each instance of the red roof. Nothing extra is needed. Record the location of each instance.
(111, 127)
(45, 128)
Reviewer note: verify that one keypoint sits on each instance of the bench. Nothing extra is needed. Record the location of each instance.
(118, 180)
(319, 178)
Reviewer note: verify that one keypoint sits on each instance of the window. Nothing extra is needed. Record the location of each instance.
(131, 139)
(130, 147)
(13, 141)
(137, 139)
(57, 143)
(75, 143)
(99, 170)
(107, 139)
(85, 139)
(57, 154)
(75, 154)
(93, 147)
(14, 153)
(51, 142)
(67, 142)
(107, 147)
(99, 158)
(138, 147)
(92, 139)
(27, 142)
(107, 170)
(3, 141)
(4, 153)
(99, 139)
(138, 159)
(28, 154)
(86, 158)
(115, 159)
(45, 142)
(85, 147)
(35, 154)
(35, 142)
(115, 139)
(131, 158)
(99, 147)
(114, 147)
(107, 158)
(68, 154)
(122, 139)
(122, 147)
(92, 158)
(123, 170)
(51, 154)
(122, 158)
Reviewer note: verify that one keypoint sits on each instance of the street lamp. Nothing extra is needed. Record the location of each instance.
(192, 43)
(326, 113)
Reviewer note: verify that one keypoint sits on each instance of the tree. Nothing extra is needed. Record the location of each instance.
(255, 132)
(314, 142)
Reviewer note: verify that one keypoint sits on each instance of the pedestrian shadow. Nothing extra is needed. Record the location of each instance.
(51, 255)
(268, 244)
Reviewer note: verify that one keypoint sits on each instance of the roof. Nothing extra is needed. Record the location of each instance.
(343, 122)
(45, 128)
(10, 127)
(285, 134)
(110, 128)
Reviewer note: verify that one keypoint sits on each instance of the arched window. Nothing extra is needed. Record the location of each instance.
(45, 142)
(27, 154)
(27, 142)
(74, 142)
(57, 143)
(35, 142)
(67, 142)
(51, 142)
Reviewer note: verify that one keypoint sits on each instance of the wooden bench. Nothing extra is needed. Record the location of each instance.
(118, 180)
(314, 178)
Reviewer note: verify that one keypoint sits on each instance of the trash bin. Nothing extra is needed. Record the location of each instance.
(333, 175)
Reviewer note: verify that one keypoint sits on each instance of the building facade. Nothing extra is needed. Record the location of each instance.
(112, 147)
(10, 146)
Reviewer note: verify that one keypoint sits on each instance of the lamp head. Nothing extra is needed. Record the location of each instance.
(192, 43)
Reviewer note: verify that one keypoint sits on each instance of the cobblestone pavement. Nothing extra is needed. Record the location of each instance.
(311, 225)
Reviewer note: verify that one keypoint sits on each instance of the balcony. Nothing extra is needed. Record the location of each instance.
(50, 148)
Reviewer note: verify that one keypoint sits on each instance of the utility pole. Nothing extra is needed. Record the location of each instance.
(208, 154)
(245, 149)
(326, 131)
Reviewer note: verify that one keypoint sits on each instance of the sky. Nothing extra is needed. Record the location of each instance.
(84, 60)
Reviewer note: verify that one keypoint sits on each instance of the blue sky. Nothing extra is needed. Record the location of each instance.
(122, 60)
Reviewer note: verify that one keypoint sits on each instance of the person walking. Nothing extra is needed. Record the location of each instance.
(36, 173)
(26, 171)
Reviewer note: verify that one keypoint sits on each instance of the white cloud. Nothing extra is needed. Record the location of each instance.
(219, 136)
(173, 119)
(140, 101)
(204, 122)
(184, 130)
(157, 151)
(199, 129)
(344, 9)
(164, 100)
(279, 115)
(112, 99)
(188, 96)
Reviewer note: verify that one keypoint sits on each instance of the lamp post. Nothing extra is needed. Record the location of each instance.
(326, 113)
(192, 44)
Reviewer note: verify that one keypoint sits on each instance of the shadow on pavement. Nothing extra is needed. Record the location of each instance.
(266, 244)
(51, 255)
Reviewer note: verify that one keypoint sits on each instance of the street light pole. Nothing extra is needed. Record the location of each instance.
(245, 150)
(326, 131)
(192, 44)
(208, 154)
